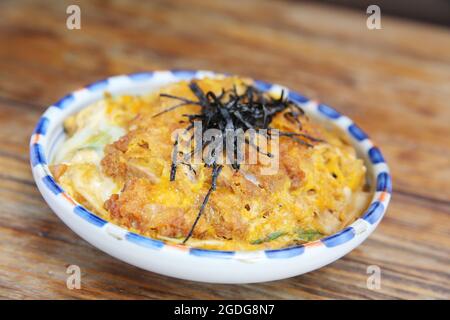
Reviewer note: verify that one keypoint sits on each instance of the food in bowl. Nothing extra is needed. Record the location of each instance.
(125, 159)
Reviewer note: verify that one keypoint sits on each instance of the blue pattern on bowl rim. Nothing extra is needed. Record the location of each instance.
(372, 215)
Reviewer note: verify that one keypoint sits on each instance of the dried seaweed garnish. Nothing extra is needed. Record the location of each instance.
(215, 174)
(233, 111)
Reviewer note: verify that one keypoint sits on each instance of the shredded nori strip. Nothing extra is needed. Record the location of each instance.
(232, 111)
(215, 174)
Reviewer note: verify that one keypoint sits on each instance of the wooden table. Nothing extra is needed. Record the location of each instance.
(394, 82)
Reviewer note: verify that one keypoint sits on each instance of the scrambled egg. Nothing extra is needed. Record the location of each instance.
(117, 162)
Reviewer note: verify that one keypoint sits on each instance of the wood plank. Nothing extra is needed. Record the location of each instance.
(389, 101)
(404, 226)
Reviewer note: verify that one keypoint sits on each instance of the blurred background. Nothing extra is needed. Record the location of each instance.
(433, 11)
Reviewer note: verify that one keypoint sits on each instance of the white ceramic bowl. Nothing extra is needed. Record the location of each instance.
(182, 261)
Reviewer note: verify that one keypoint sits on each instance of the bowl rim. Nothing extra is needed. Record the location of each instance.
(366, 222)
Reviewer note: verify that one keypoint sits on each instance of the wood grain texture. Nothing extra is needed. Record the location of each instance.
(394, 82)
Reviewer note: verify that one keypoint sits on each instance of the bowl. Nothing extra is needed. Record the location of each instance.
(193, 263)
